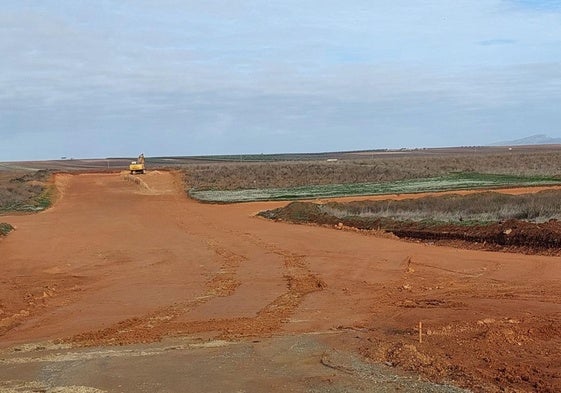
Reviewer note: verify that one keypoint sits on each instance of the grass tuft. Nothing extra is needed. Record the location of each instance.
(5, 228)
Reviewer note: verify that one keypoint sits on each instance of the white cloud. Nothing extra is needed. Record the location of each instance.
(251, 71)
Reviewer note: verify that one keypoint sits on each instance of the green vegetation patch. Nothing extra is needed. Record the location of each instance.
(454, 181)
(5, 228)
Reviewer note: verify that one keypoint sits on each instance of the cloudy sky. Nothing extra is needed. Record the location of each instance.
(179, 77)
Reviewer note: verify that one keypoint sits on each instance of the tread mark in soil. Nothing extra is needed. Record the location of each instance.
(153, 327)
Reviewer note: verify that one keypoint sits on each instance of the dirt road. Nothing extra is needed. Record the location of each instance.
(121, 261)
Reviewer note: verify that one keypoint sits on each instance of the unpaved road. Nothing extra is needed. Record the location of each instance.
(124, 261)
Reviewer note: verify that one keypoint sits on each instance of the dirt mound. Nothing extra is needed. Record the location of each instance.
(300, 212)
(485, 356)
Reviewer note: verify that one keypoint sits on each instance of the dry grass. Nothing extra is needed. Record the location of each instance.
(234, 176)
(475, 208)
(24, 191)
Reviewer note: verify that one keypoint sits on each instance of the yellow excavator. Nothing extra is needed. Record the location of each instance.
(138, 165)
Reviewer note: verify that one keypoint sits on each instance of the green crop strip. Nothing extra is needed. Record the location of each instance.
(451, 182)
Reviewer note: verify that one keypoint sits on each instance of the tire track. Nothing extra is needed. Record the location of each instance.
(300, 281)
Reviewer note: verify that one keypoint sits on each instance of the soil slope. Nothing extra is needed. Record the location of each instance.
(123, 260)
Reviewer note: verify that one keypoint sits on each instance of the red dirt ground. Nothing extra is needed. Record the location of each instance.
(122, 260)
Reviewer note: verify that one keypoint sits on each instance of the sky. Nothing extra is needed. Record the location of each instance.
(107, 78)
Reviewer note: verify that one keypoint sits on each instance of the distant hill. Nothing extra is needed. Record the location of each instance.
(539, 139)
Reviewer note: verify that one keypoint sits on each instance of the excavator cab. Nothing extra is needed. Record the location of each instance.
(138, 166)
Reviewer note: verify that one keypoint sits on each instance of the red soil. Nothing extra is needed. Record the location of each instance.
(117, 261)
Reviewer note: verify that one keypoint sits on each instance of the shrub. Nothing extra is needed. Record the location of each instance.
(5, 228)
(24, 192)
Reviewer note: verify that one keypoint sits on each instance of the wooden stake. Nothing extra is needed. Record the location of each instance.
(420, 332)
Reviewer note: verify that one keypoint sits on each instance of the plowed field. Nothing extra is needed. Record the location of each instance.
(123, 260)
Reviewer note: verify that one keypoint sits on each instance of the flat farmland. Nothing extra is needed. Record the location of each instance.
(126, 284)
